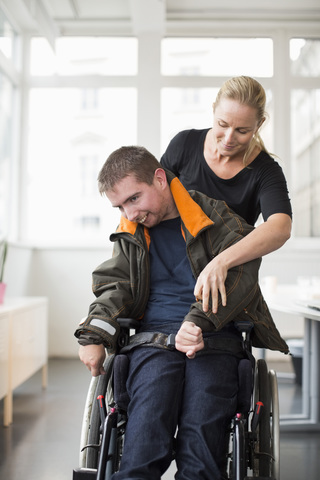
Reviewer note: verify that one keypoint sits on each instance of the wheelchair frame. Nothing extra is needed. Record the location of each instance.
(254, 446)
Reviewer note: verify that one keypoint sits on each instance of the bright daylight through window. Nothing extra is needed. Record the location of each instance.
(8, 39)
(83, 103)
(71, 132)
(305, 138)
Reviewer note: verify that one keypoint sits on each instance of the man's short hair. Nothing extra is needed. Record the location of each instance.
(131, 160)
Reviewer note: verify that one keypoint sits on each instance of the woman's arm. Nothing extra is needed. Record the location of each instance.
(266, 238)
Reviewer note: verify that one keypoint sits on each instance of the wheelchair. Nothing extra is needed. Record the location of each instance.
(254, 437)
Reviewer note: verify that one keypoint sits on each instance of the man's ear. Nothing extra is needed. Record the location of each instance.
(160, 177)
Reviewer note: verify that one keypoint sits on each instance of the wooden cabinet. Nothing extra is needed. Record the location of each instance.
(23, 345)
(4, 354)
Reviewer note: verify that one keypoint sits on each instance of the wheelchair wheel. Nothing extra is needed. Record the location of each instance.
(275, 430)
(267, 447)
(264, 432)
(90, 437)
(91, 396)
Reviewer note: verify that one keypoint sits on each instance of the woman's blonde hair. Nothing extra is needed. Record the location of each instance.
(246, 91)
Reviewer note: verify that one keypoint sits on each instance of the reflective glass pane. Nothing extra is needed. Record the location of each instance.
(305, 120)
(71, 133)
(305, 57)
(6, 99)
(217, 56)
(85, 56)
(184, 108)
(7, 37)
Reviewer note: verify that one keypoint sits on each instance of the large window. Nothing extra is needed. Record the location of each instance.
(305, 108)
(305, 57)
(83, 103)
(71, 132)
(85, 56)
(8, 38)
(305, 137)
(217, 56)
(187, 106)
(6, 104)
(8, 52)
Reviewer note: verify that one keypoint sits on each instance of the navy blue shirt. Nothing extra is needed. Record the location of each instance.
(172, 281)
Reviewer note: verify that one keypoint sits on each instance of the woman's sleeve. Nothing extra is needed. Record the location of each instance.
(172, 157)
(274, 195)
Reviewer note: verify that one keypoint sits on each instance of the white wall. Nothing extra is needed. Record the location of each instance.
(64, 276)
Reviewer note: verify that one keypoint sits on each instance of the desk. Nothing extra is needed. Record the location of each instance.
(286, 299)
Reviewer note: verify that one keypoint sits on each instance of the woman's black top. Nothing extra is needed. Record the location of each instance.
(259, 188)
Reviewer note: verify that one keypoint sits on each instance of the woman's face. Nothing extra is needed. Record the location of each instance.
(234, 126)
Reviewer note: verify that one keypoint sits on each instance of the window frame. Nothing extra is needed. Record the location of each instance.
(149, 51)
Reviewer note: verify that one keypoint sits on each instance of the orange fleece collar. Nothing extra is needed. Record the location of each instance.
(191, 213)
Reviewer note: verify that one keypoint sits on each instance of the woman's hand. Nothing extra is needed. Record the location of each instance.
(93, 357)
(211, 281)
(189, 339)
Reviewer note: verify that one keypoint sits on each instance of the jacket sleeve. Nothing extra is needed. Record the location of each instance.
(241, 287)
(242, 281)
(111, 286)
(244, 298)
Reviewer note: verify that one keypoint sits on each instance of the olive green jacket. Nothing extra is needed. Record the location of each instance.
(121, 284)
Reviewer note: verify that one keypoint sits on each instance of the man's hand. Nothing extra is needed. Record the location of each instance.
(211, 281)
(93, 357)
(189, 339)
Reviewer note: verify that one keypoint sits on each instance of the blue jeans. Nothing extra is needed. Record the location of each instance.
(169, 391)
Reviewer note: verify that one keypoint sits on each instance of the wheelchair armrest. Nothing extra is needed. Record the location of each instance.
(128, 323)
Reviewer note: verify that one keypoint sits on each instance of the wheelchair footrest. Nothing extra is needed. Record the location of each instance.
(84, 474)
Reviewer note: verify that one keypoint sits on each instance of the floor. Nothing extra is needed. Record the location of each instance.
(42, 443)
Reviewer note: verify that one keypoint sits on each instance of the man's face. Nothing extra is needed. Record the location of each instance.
(143, 203)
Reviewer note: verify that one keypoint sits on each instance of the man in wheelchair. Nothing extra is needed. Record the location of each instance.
(187, 380)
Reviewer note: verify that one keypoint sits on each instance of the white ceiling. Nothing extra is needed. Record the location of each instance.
(127, 17)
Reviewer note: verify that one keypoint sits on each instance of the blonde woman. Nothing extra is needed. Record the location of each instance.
(230, 162)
